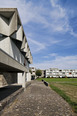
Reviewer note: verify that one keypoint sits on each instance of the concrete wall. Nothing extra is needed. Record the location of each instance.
(5, 44)
(14, 45)
(10, 48)
(7, 78)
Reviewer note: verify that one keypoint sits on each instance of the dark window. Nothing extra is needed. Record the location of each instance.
(60, 70)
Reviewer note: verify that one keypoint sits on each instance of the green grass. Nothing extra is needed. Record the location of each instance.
(66, 88)
(59, 79)
(65, 97)
(73, 84)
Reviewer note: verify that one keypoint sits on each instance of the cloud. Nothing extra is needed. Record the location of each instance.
(46, 56)
(55, 19)
(58, 11)
(50, 55)
(52, 41)
(36, 46)
(27, 10)
(60, 18)
(67, 62)
(30, 12)
(72, 33)
(53, 54)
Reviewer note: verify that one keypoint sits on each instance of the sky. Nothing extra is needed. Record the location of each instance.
(51, 30)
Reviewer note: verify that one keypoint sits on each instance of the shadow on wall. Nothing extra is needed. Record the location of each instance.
(15, 51)
(8, 90)
(8, 78)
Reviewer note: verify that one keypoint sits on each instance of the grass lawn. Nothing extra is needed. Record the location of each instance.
(66, 88)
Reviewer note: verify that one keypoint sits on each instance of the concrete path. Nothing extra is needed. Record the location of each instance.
(38, 100)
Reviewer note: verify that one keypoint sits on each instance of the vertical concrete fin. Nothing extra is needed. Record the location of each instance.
(23, 43)
(13, 24)
(4, 27)
(19, 33)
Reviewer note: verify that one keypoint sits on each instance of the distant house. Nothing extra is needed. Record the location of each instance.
(15, 54)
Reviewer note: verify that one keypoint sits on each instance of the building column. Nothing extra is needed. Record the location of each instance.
(28, 75)
(24, 79)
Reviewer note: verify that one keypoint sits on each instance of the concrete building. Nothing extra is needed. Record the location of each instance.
(33, 73)
(43, 73)
(15, 55)
(52, 72)
(61, 73)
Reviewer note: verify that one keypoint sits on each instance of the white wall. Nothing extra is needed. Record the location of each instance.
(28, 76)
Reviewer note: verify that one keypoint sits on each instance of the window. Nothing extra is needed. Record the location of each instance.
(70, 73)
(33, 71)
(63, 72)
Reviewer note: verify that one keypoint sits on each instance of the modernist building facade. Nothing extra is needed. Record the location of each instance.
(15, 54)
(55, 72)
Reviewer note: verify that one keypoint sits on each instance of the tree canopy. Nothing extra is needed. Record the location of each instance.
(38, 72)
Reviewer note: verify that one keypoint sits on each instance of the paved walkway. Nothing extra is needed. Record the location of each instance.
(38, 100)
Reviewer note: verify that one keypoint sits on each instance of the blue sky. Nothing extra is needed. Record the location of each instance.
(51, 30)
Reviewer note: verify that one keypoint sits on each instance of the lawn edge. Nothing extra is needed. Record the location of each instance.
(65, 97)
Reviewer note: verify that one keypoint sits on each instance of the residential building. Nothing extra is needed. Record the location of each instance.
(61, 73)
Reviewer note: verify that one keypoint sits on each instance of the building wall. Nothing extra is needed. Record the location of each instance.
(43, 73)
(5, 44)
(33, 74)
(15, 52)
(11, 49)
(7, 78)
(29, 76)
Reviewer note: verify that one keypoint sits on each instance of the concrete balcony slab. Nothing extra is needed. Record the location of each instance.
(7, 63)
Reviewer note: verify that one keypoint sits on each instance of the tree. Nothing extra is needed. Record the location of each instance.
(38, 72)
(30, 71)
